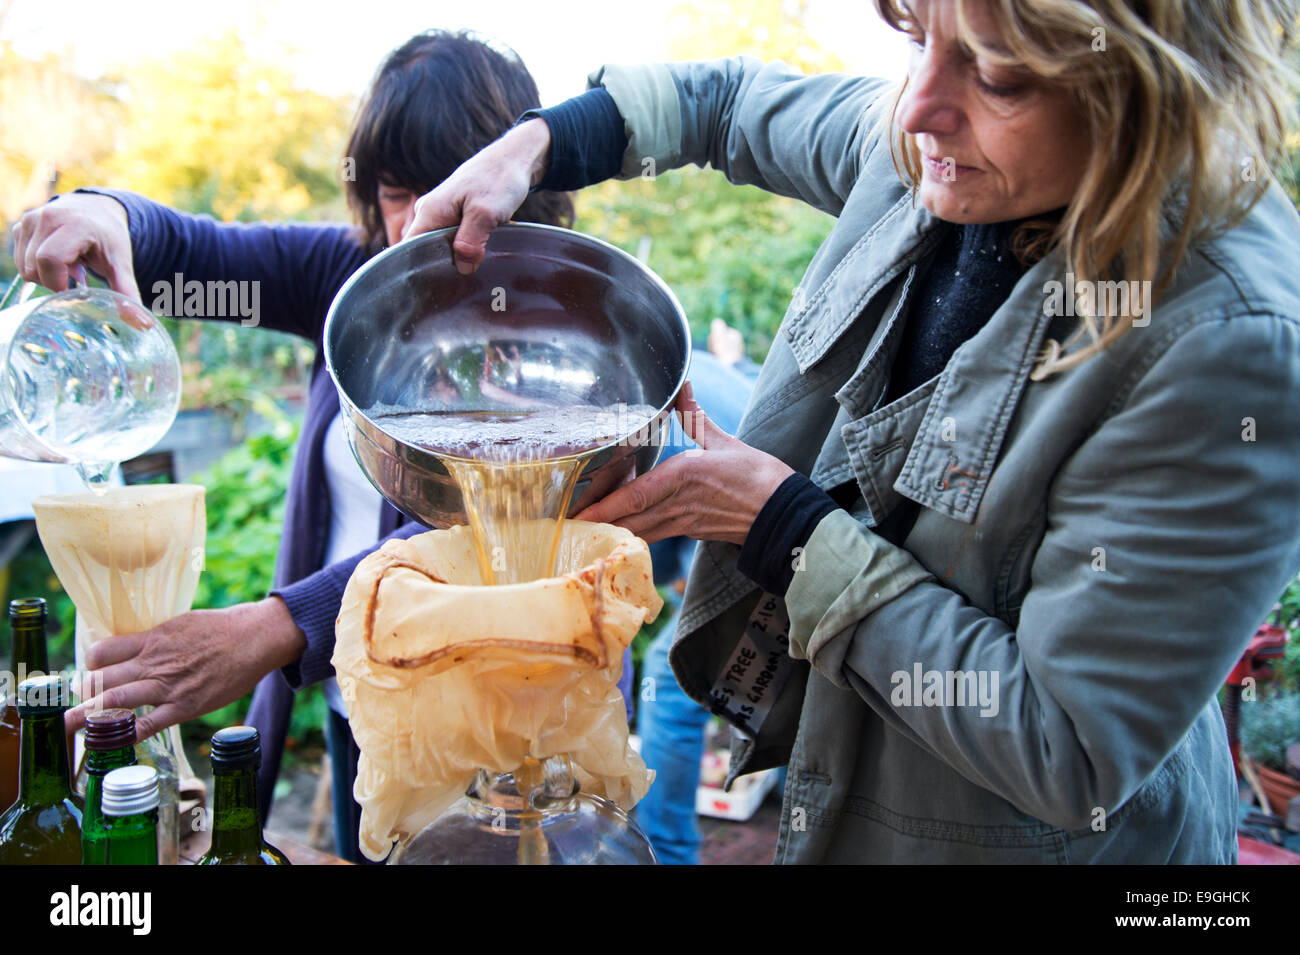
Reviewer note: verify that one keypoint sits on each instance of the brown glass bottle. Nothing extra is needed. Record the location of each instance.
(27, 626)
(44, 826)
(236, 826)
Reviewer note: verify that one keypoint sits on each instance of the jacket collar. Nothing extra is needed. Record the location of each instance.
(897, 241)
(976, 396)
(967, 417)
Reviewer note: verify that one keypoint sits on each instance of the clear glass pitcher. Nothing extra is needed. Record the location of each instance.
(87, 377)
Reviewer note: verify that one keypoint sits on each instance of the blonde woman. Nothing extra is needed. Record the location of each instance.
(1020, 475)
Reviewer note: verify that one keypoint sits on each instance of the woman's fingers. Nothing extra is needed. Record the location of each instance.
(98, 682)
(485, 191)
(121, 278)
(192, 664)
(433, 210)
(633, 498)
(53, 241)
(57, 254)
(454, 203)
(114, 650)
(159, 719)
(476, 227)
(128, 696)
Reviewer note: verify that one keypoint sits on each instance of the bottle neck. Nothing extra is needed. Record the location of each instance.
(101, 762)
(236, 827)
(133, 839)
(535, 786)
(43, 777)
(29, 650)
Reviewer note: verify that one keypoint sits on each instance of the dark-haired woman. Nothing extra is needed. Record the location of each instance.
(435, 101)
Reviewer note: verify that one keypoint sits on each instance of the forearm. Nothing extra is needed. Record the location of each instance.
(586, 142)
(949, 677)
(765, 125)
(280, 276)
(773, 549)
(314, 602)
(1069, 711)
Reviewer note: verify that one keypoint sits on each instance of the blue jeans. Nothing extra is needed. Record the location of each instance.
(670, 723)
(671, 726)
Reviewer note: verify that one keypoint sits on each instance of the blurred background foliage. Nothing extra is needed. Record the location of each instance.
(225, 130)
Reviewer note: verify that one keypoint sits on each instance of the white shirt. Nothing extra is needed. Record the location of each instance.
(354, 516)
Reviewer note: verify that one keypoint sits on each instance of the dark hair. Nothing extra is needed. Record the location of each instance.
(437, 100)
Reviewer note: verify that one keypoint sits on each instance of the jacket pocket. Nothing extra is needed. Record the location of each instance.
(925, 840)
(1013, 580)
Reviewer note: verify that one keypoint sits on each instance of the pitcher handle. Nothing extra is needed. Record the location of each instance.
(18, 292)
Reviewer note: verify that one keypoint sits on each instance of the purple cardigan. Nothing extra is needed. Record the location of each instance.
(301, 267)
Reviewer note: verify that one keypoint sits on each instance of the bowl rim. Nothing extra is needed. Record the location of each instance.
(405, 245)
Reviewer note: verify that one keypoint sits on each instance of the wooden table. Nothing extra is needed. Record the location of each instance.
(193, 846)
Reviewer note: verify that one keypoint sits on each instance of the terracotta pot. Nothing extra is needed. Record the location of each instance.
(1278, 787)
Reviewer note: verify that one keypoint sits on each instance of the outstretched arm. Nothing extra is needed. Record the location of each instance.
(766, 125)
(205, 659)
(282, 276)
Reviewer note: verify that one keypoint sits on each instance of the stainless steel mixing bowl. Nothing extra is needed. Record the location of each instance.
(550, 317)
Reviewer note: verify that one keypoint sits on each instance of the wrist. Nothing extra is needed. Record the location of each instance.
(770, 552)
(282, 638)
(112, 205)
(534, 139)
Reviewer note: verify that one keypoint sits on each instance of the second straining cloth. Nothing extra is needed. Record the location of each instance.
(443, 677)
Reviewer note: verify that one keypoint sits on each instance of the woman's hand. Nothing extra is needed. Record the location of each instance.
(712, 493)
(485, 191)
(191, 665)
(79, 229)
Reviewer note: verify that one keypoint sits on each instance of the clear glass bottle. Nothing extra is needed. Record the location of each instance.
(156, 751)
(110, 745)
(44, 826)
(536, 815)
(130, 810)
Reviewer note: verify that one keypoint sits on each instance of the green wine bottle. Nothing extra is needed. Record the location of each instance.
(27, 625)
(110, 745)
(44, 826)
(236, 826)
(130, 813)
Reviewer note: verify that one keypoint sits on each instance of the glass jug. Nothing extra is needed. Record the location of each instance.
(536, 815)
(87, 377)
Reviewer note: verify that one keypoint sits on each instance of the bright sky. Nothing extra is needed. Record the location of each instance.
(339, 45)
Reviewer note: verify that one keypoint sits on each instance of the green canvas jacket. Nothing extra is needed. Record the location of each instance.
(1097, 547)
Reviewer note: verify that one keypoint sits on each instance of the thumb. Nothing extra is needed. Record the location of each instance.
(696, 424)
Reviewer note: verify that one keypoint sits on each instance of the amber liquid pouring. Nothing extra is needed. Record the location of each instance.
(517, 472)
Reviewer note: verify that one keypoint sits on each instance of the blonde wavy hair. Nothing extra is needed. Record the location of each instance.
(1188, 104)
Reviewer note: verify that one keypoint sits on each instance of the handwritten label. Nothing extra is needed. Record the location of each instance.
(751, 680)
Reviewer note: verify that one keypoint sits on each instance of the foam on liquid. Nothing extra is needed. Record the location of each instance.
(516, 471)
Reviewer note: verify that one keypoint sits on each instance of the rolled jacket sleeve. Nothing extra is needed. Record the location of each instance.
(846, 574)
(766, 125)
(1170, 532)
